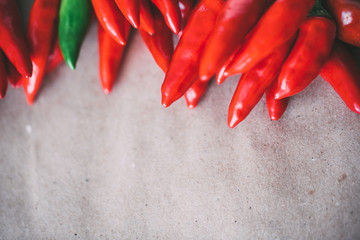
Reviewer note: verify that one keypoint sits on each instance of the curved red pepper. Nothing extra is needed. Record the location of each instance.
(110, 56)
(235, 20)
(186, 7)
(220, 74)
(110, 17)
(276, 107)
(184, 66)
(146, 17)
(14, 77)
(131, 10)
(312, 48)
(55, 57)
(279, 23)
(12, 41)
(252, 84)
(343, 74)
(3, 77)
(171, 12)
(161, 44)
(40, 34)
(347, 17)
(195, 92)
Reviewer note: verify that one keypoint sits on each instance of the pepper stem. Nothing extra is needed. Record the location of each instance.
(319, 11)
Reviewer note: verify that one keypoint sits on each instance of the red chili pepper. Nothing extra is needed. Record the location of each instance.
(55, 57)
(312, 48)
(184, 66)
(146, 17)
(14, 77)
(235, 20)
(40, 34)
(161, 44)
(110, 17)
(186, 7)
(252, 84)
(3, 77)
(279, 23)
(131, 10)
(110, 56)
(195, 92)
(276, 107)
(347, 17)
(343, 74)
(220, 74)
(12, 41)
(171, 12)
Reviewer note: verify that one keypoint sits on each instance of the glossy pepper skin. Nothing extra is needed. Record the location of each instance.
(55, 57)
(12, 41)
(171, 12)
(184, 66)
(275, 107)
(131, 11)
(343, 74)
(235, 20)
(195, 92)
(40, 35)
(74, 20)
(186, 6)
(278, 24)
(312, 48)
(3, 77)
(14, 77)
(253, 84)
(146, 17)
(160, 44)
(347, 17)
(110, 17)
(110, 56)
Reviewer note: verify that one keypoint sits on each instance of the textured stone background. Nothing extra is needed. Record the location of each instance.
(82, 165)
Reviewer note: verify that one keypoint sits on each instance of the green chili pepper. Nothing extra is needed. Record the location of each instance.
(74, 20)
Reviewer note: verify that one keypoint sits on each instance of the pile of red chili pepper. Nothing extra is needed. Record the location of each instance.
(278, 46)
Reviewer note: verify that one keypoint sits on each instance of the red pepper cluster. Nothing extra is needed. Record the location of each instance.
(278, 46)
(28, 58)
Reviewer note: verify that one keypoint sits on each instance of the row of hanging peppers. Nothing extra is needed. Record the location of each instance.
(278, 46)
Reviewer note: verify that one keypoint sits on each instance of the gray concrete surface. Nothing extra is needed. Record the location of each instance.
(83, 165)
